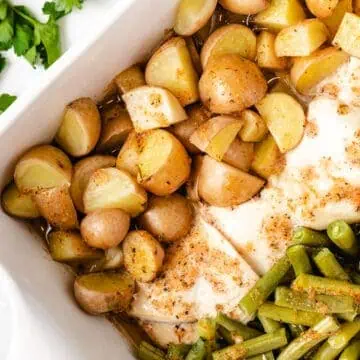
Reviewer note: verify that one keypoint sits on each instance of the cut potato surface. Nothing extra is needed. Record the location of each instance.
(164, 164)
(130, 79)
(128, 157)
(192, 15)
(239, 154)
(143, 255)
(301, 39)
(80, 128)
(82, 172)
(104, 292)
(114, 189)
(321, 8)
(284, 117)
(42, 167)
(254, 128)
(334, 20)
(245, 6)
(151, 107)
(229, 39)
(171, 67)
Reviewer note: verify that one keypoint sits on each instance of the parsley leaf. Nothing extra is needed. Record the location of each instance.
(5, 101)
(2, 63)
(3, 10)
(67, 5)
(24, 35)
(50, 9)
(7, 31)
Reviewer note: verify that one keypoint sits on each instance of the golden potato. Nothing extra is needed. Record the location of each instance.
(192, 186)
(321, 8)
(171, 67)
(105, 228)
(80, 128)
(301, 39)
(192, 15)
(167, 218)
(216, 135)
(194, 54)
(223, 185)
(129, 79)
(245, 7)
(309, 71)
(357, 7)
(128, 156)
(334, 20)
(239, 154)
(42, 167)
(19, 205)
(229, 39)
(104, 292)
(114, 189)
(83, 169)
(152, 107)
(143, 255)
(231, 84)
(285, 119)
(254, 128)
(164, 164)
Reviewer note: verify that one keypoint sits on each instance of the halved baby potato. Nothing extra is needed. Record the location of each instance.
(105, 228)
(112, 188)
(164, 164)
(192, 185)
(83, 169)
(285, 119)
(69, 247)
(192, 15)
(152, 107)
(128, 156)
(80, 128)
(223, 185)
(231, 84)
(229, 39)
(100, 293)
(171, 67)
(334, 20)
(42, 167)
(239, 154)
(321, 8)
(19, 205)
(143, 255)
(254, 128)
(309, 71)
(301, 39)
(130, 79)
(245, 7)
(216, 135)
(167, 218)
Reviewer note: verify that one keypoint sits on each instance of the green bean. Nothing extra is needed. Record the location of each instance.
(229, 336)
(206, 328)
(299, 259)
(323, 304)
(198, 351)
(309, 339)
(305, 236)
(264, 287)
(336, 343)
(177, 352)
(296, 330)
(348, 316)
(149, 352)
(289, 316)
(265, 356)
(326, 262)
(269, 325)
(352, 352)
(343, 236)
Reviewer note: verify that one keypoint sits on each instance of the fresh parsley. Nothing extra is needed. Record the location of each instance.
(2, 63)
(59, 8)
(5, 101)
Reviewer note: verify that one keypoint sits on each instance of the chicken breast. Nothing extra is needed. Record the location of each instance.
(319, 184)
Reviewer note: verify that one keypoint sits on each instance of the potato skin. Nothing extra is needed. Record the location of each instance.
(240, 155)
(168, 218)
(128, 156)
(231, 84)
(105, 228)
(245, 7)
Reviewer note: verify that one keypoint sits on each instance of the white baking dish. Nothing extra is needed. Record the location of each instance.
(38, 317)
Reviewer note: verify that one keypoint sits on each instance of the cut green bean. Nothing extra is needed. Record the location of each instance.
(269, 325)
(289, 316)
(299, 259)
(296, 330)
(177, 352)
(349, 316)
(198, 351)
(352, 352)
(343, 236)
(206, 328)
(326, 262)
(266, 356)
(229, 336)
(308, 237)
(148, 352)
(336, 343)
(264, 287)
(309, 339)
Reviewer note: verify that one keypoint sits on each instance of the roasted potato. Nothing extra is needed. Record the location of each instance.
(152, 107)
(280, 14)
(164, 164)
(42, 167)
(192, 15)
(301, 39)
(231, 84)
(334, 20)
(143, 255)
(167, 218)
(171, 67)
(266, 57)
(128, 156)
(105, 228)
(285, 119)
(309, 71)
(19, 205)
(357, 7)
(216, 135)
(254, 128)
(82, 172)
(69, 247)
(80, 129)
(129, 79)
(245, 7)
(112, 260)
(223, 185)
(57, 207)
(229, 39)
(321, 8)
(114, 189)
(192, 186)
(239, 154)
(100, 293)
